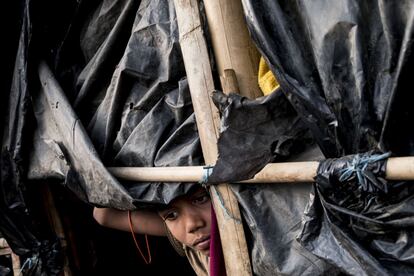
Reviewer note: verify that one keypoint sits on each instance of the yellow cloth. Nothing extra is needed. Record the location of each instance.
(267, 81)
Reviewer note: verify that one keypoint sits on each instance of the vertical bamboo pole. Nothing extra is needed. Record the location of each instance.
(233, 47)
(196, 60)
(15, 264)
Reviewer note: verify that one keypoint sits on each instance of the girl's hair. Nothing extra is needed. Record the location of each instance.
(178, 246)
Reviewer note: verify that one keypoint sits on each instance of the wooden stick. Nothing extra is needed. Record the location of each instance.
(5, 251)
(286, 173)
(271, 173)
(200, 79)
(233, 47)
(397, 168)
(229, 82)
(16, 264)
(159, 174)
(4, 247)
(400, 168)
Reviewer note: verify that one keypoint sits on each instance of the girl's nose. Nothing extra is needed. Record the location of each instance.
(193, 221)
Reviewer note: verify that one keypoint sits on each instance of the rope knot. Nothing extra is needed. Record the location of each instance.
(207, 171)
(359, 168)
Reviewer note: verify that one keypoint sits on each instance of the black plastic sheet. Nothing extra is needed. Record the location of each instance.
(363, 224)
(273, 216)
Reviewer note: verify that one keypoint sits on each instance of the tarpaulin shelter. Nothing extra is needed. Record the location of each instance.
(103, 84)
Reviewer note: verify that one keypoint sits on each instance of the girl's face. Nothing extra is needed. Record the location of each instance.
(189, 218)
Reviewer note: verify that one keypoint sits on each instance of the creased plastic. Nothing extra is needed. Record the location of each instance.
(363, 224)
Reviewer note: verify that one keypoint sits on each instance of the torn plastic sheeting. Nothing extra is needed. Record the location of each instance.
(254, 133)
(363, 225)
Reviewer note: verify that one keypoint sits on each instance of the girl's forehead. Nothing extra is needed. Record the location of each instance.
(185, 198)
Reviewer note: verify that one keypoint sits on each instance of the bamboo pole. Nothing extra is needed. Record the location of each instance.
(159, 174)
(233, 47)
(400, 168)
(200, 79)
(6, 250)
(397, 168)
(229, 82)
(271, 173)
(16, 265)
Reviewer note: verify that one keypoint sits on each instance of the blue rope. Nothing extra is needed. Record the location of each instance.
(29, 262)
(226, 211)
(207, 171)
(359, 164)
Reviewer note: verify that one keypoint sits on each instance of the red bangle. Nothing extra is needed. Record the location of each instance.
(136, 242)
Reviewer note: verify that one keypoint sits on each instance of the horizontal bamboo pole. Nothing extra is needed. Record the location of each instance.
(5, 251)
(159, 174)
(398, 168)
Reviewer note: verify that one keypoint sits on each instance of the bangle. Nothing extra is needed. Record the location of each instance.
(136, 242)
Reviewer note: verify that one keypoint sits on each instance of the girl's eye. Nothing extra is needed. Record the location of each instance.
(201, 199)
(172, 215)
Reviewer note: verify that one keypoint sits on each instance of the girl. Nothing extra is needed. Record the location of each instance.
(185, 221)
